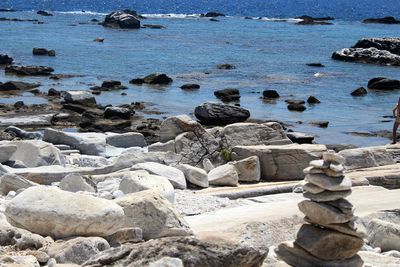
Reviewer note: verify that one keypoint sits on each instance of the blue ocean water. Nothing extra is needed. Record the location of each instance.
(267, 54)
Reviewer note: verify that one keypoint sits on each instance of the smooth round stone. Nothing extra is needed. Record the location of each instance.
(329, 183)
(322, 213)
(311, 169)
(327, 195)
(333, 157)
(312, 188)
(343, 204)
(332, 173)
(319, 164)
(336, 167)
(345, 228)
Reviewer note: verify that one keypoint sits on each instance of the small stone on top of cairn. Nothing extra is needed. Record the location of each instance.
(329, 237)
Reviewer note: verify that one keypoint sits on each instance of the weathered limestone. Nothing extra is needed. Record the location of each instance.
(358, 158)
(126, 140)
(125, 235)
(330, 238)
(175, 176)
(383, 234)
(6, 151)
(251, 134)
(248, 169)
(174, 126)
(285, 162)
(136, 181)
(162, 147)
(76, 250)
(154, 214)
(225, 175)
(35, 153)
(75, 182)
(49, 211)
(194, 175)
(12, 182)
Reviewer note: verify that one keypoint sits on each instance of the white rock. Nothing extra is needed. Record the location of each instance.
(154, 214)
(167, 262)
(175, 176)
(126, 140)
(19, 261)
(12, 182)
(174, 126)
(6, 151)
(136, 181)
(225, 175)
(367, 157)
(248, 169)
(49, 211)
(75, 182)
(207, 165)
(194, 175)
(333, 157)
(162, 147)
(35, 153)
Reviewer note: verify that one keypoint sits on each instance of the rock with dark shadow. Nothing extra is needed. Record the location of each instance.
(385, 20)
(220, 114)
(383, 84)
(359, 92)
(228, 94)
(270, 94)
(29, 70)
(44, 13)
(5, 59)
(190, 86)
(122, 19)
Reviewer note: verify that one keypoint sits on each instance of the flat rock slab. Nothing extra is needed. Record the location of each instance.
(49, 211)
(26, 120)
(284, 162)
(6, 151)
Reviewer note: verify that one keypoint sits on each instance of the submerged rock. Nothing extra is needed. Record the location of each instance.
(29, 70)
(359, 92)
(43, 52)
(5, 59)
(385, 20)
(270, 94)
(190, 86)
(157, 78)
(383, 84)
(44, 13)
(17, 86)
(228, 95)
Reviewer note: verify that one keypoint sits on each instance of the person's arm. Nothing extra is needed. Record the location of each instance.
(395, 111)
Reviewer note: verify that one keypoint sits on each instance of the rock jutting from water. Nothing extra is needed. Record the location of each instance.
(329, 237)
(126, 19)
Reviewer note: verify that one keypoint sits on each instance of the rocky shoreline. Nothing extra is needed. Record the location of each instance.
(83, 184)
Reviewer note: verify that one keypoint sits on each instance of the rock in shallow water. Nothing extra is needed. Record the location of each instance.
(220, 114)
(122, 19)
(49, 211)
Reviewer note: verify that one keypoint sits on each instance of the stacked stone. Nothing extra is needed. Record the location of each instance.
(330, 237)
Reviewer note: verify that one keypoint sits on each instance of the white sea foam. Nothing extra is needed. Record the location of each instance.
(293, 20)
(81, 12)
(171, 16)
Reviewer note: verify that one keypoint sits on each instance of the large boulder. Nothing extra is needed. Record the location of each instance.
(126, 140)
(192, 252)
(75, 183)
(157, 79)
(246, 134)
(122, 19)
(83, 98)
(385, 20)
(52, 212)
(194, 175)
(35, 153)
(285, 162)
(225, 175)
(76, 250)
(367, 157)
(228, 94)
(389, 44)
(383, 84)
(136, 181)
(29, 70)
(154, 214)
(220, 114)
(383, 234)
(174, 126)
(6, 151)
(5, 59)
(174, 175)
(248, 169)
(12, 182)
(117, 113)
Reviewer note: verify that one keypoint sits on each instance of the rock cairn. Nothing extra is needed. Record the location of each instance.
(329, 237)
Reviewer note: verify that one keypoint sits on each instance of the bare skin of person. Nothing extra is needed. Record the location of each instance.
(396, 115)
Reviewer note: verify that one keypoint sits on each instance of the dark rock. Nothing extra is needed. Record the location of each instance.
(61, 76)
(385, 20)
(20, 20)
(53, 92)
(17, 86)
(228, 95)
(318, 65)
(51, 53)
(312, 21)
(214, 20)
(192, 252)
(94, 20)
(190, 86)
(117, 112)
(359, 92)
(17, 132)
(79, 97)
(248, 18)
(153, 26)
(39, 51)
(321, 124)
(5, 59)
(295, 101)
(157, 78)
(374, 80)
(110, 84)
(7, 10)
(44, 13)
(226, 67)
(19, 104)
(122, 19)
(383, 51)
(213, 14)
(315, 18)
(29, 70)
(99, 40)
(313, 100)
(296, 107)
(385, 84)
(270, 94)
(220, 114)
(137, 81)
(300, 138)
